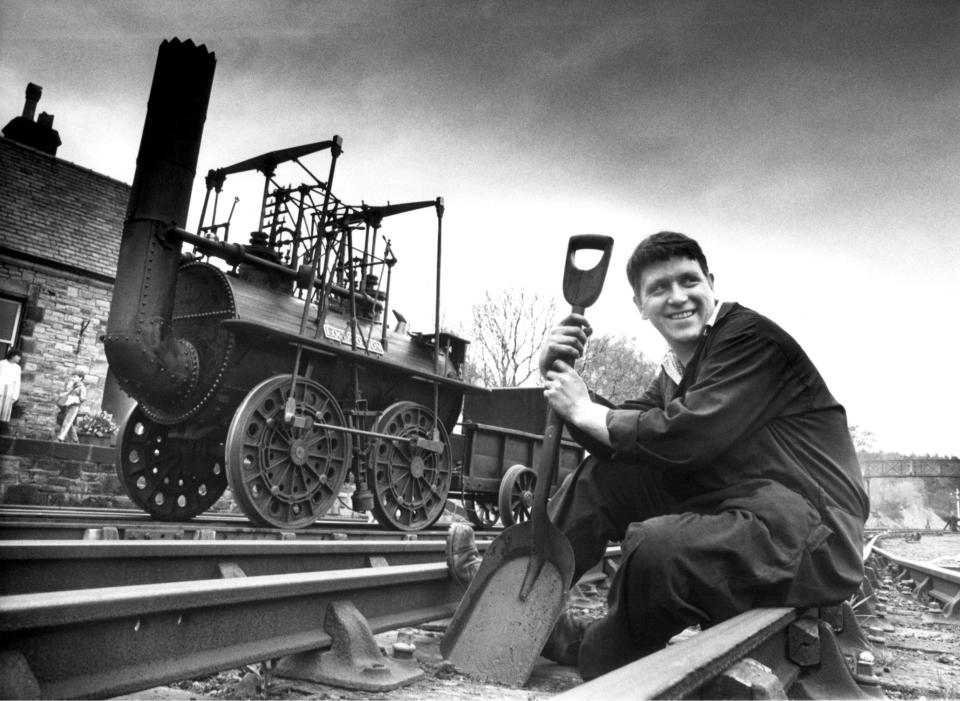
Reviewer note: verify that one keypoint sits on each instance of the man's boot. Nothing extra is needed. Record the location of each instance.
(563, 645)
(463, 558)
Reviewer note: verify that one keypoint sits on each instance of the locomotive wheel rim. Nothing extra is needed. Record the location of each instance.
(410, 484)
(483, 514)
(516, 494)
(283, 475)
(170, 477)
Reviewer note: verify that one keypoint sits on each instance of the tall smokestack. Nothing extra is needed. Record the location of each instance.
(150, 363)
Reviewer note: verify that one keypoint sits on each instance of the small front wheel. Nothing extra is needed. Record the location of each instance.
(516, 494)
(171, 472)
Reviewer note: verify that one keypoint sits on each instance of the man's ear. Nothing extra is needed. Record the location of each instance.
(710, 278)
(639, 306)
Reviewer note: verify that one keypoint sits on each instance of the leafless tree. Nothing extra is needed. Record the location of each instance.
(614, 368)
(863, 439)
(508, 330)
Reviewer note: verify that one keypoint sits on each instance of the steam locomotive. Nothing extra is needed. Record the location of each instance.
(270, 366)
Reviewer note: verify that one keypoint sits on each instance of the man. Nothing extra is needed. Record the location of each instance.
(732, 482)
(73, 396)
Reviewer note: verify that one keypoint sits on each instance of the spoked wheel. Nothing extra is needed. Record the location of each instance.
(410, 483)
(516, 494)
(482, 514)
(169, 474)
(287, 475)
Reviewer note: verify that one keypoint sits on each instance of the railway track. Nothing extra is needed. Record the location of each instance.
(66, 523)
(98, 618)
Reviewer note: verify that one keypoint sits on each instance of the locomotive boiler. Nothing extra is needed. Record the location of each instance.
(270, 366)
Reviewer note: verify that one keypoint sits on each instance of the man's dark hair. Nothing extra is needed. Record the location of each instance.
(661, 247)
(12, 352)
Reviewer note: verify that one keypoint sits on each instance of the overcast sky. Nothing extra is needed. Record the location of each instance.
(812, 147)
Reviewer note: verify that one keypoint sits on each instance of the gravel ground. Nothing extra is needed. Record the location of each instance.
(920, 656)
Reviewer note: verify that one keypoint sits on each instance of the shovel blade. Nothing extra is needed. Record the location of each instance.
(494, 635)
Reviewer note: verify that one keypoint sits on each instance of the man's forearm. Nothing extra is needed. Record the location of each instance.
(591, 418)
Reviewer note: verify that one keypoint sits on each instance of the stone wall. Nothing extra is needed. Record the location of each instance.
(64, 320)
(60, 230)
(46, 473)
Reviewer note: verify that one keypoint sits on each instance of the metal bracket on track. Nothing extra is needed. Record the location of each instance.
(837, 668)
(354, 661)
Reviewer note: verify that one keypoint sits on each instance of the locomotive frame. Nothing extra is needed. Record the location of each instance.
(279, 375)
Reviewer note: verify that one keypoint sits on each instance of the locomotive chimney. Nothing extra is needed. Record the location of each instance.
(151, 364)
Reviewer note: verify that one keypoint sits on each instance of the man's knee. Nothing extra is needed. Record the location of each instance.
(654, 542)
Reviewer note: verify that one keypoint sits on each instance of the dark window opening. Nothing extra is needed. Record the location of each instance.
(11, 312)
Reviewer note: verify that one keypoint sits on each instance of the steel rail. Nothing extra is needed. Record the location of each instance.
(688, 667)
(116, 640)
(31, 567)
(53, 523)
(937, 583)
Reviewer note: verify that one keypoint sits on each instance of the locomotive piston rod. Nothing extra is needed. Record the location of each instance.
(432, 446)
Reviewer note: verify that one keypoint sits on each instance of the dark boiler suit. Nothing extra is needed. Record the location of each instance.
(738, 487)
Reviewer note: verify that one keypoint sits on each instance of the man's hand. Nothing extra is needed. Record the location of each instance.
(567, 394)
(565, 342)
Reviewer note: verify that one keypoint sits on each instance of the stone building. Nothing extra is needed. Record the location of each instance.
(60, 228)
(60, 231)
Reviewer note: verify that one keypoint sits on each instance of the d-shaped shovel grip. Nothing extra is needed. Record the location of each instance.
(581, 288)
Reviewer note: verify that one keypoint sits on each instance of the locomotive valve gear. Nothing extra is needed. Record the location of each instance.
(463, 558)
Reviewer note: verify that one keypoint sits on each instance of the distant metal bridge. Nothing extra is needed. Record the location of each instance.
(911, 468)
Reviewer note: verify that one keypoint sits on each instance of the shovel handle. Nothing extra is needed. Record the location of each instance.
(541, 537)
(547, 465)
(581, 287)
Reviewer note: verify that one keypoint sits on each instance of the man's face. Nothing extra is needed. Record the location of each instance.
(677, 298)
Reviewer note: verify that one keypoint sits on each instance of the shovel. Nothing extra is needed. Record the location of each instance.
(506, 615)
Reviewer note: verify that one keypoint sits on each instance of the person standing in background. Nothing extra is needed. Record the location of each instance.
(9, 384)
(73, 396)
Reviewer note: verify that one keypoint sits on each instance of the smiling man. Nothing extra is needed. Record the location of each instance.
(731, 483)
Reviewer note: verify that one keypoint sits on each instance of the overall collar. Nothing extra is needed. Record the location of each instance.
(671, 365)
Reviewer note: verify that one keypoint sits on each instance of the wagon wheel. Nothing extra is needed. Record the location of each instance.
(287, 475)
(482, 514)
(167, 473)
(516, 494)
(410, 483)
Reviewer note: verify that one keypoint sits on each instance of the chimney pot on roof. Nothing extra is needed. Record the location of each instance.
(38, 134)
(34, 92)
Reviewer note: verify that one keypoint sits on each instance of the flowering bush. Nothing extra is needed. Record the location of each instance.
(101, 424)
